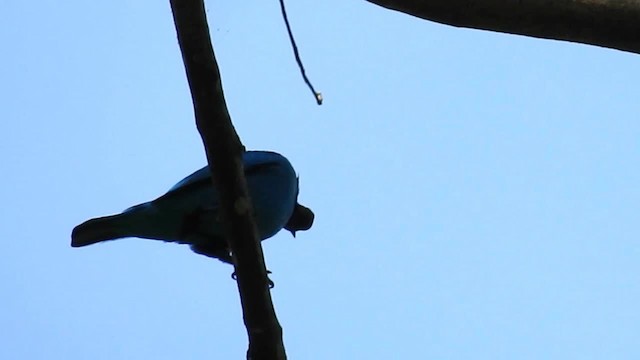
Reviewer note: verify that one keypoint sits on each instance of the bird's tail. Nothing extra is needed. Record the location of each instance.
(99, 229)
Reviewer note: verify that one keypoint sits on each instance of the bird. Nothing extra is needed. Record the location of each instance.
(189, 213)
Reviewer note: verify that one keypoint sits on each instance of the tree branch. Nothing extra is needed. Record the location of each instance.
(608, 23)
(224, 151)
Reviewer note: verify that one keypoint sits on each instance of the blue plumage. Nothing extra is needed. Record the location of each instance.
(188, 212)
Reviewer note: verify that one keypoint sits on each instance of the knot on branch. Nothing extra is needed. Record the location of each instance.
(242, 205)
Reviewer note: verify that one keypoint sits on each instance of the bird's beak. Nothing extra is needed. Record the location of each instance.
(293, 232)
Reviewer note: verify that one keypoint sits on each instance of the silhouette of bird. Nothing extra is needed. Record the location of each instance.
(189, 212)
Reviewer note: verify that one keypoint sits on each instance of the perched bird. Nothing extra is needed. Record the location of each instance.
(189, 212)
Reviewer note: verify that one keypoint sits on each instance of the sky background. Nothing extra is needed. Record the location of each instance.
(476, 194)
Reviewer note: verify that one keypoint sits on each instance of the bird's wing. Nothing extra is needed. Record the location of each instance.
(251, 158)
(258, 161)
(254, 162)
(191, 181)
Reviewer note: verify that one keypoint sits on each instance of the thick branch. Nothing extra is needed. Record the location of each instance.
(608, 23)
(224, 151)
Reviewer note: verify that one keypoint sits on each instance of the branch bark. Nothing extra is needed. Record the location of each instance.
(224, 151)
(608, 23)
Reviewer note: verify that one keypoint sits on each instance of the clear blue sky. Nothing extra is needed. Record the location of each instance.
(476, 194)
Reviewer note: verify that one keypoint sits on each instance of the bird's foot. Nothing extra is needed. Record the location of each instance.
(234, 276)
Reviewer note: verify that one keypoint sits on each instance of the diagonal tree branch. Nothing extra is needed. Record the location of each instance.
(608, 23)
(224, 150)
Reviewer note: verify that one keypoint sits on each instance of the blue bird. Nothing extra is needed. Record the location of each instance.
(189, 212)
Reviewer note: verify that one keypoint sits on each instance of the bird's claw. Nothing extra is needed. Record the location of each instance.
(271, 283)
(234, 276)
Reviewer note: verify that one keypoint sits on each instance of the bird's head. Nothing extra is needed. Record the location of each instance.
(301, 219)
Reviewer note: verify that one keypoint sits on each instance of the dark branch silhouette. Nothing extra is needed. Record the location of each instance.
(608, 23)
(224, 149)
(296, 53)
